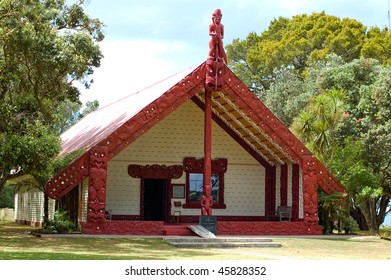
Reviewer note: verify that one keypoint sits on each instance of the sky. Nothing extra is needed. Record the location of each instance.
(149, 40)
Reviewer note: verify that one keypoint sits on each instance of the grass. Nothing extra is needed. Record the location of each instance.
(17, 244)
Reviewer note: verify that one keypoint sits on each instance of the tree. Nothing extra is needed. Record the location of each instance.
(377, 45)
(286, 96)
(294, 43)
(362, 114)
(317, 125)
(45, 46)
(362, 183)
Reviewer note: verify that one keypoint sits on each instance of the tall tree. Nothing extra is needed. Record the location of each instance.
(362, 114)
(45, 46)
(297, 42)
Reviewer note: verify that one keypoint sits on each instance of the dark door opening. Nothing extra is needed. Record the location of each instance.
(155, 196)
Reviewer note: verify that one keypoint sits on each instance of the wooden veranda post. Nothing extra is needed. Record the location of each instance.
(207, 199)
(214, 82)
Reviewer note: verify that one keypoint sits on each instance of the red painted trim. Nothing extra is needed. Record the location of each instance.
(142, 191)
(267, 228)
(310, 189)
(295, 191)
(155, 171)
(96, 205)
(207, 153)
(231, 133)
(120, 217)
(270, 192)
(64, 181)
(223, 228)
(284, 185)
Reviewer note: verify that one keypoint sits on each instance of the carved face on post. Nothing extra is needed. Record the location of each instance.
(216, 16)
(214, 75)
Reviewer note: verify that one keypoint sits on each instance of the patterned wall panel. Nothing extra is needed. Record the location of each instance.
(123, 191)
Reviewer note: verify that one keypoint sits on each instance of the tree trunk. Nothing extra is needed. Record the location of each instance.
(356, 214)
(369, 211)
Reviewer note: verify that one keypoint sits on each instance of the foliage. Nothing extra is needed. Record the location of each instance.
(60, 223)
(343, 100)
(298, 42)
(285, 96)
(45, 46)
(377, 45)
(7, 197)
(317, 124)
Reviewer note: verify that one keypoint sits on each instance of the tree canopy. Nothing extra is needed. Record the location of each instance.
(304, 39)
(45, 46)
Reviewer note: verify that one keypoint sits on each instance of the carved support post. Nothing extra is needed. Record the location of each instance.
(207, 200)
(310, 186)
(97, 184)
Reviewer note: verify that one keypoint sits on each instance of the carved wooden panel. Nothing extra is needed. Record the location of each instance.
(97, 184)
(310, 186)
(68, 178)
(219, 166)
(155, 171)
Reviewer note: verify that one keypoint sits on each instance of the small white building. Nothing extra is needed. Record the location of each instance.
(29, 206)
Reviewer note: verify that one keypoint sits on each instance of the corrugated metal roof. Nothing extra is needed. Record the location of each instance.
(99, 124)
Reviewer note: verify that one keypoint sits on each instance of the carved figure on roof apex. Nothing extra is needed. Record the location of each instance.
(217, 57)
(216, 31)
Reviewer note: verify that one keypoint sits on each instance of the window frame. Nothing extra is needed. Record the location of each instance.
(193, 165)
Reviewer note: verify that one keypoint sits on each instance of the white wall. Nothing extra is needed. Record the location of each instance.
(29, 205)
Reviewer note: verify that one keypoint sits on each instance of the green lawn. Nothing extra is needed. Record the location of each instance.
(17, 244)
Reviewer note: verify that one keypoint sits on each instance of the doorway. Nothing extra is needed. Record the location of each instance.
(155, 199)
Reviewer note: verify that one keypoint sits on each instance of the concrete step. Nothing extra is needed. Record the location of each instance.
(195, 242)
(220, 240)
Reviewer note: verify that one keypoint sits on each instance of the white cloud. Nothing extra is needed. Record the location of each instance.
(131, 65)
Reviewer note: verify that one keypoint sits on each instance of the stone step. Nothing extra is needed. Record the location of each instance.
(219, 240)
(234, 242)
(227, 245)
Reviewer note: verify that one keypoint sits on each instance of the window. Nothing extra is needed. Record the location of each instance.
(196, 187)
(195, 182)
